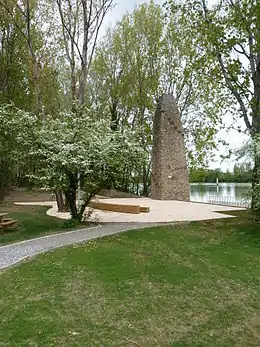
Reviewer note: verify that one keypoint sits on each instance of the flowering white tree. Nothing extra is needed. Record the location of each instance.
(69, 149)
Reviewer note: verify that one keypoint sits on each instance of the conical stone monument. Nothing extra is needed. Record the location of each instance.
(170, 180)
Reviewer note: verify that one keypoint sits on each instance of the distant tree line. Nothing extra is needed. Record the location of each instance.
(242, 173)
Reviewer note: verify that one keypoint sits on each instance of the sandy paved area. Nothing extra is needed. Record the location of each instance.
(160, 211)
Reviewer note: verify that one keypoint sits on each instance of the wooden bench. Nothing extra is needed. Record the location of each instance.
(8, 223)
(2, 215)
(122, 208)
(144, 209)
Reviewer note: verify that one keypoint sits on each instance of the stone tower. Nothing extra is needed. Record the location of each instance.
(170, 179)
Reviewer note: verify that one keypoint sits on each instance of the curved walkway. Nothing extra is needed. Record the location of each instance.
(161, 213)
(16, 252)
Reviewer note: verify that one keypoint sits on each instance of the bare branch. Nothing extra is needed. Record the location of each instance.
(65, 30)
(105, 10)
(186, 100)
(2, 3)
(243, 51)
(21, 10)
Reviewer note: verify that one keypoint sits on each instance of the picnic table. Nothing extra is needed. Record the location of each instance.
(6, 223)
(2, 215)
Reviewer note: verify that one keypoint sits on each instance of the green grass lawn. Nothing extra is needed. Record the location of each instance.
(32, 222)
(186, 285)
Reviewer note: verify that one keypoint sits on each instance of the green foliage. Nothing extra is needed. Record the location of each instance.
(246, 151)
(11, 160)
(125, 78)
(228, 37)
(242, 173)
(196, 53)
(144, 56)
(13, 61)
(30, 57)
(256, 179)
(72, 150)
(71, 223)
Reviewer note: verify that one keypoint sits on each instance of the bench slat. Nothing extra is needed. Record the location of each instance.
(8, 223)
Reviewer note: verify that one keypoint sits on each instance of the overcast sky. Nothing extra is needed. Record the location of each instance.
(234, 138)
(123, 6)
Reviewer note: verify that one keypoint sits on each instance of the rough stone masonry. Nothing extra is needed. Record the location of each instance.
(170, 180)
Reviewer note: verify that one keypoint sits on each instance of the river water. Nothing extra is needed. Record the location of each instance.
(226, 193)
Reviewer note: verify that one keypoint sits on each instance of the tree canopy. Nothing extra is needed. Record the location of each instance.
(76, 87)
(228, 36)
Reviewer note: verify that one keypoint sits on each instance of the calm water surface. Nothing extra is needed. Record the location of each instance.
(206, 191)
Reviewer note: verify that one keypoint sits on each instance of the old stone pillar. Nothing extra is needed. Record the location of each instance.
(170, 179)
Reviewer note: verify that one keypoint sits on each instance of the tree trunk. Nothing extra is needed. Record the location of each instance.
(73, 86)
(114, 115)
(256, 139)
(145, 182)
(38, 93)
(256, 185)
(66, 205)
(71, 196)
(137, 188)
(126, 181)
(2, 194)
(60, 201)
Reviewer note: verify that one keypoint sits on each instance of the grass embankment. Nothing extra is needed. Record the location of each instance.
(32, 222)
(187, 285)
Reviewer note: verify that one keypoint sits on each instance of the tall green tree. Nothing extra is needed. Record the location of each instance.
(200, 104)
(145, 55)
(228, 34)
(139, 41)
(127, 72)
(13, 60)
(80, 23)
(28, 55)
(66, 147)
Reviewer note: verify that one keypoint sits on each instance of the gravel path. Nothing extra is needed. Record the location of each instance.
(14, 253)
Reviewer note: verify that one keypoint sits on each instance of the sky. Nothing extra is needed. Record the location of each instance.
(121, 7)
(234, 138)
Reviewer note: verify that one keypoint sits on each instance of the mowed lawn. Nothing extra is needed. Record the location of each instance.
(186, 285)
(32, 222)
